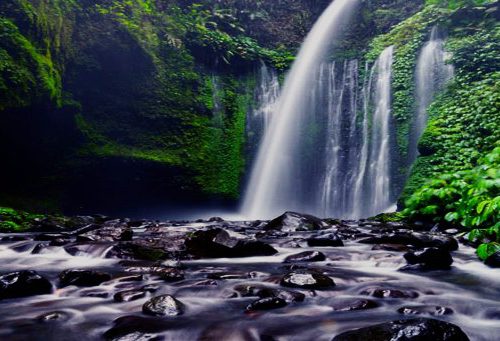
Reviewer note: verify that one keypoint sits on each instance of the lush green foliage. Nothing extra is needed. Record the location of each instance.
(407, 38)
(13, 220)
(469, 199)
(454, 4)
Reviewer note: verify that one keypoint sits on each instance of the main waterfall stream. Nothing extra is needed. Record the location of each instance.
(283, 174)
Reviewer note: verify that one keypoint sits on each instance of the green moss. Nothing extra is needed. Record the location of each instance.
(14, 221)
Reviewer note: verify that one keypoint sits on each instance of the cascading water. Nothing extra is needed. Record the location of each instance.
(267, 94)
(376, 179)
(283, 175)
(432, 73)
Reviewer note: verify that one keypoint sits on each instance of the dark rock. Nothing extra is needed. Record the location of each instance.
(328, 240)
(416, 239)
(307, 279)
(267, 303)
(165, 305)
(54, 316)
(82, 278)
(129, 327)
(22, 284)
(107, 234)
(217, 243)
(14, 238)
(493, 260)
(391, 247)
(215, 220)
(306, 256)
(389, 293)
(167, 273)
(355, 305)
(414, 330)
(287, 295)
(129, 295)
(425, 310)
(151, 287)
(60, 242)
(248, 290)
(39, 247)
(148, 249)
(47, 237)
(431, 258)
(292, 222)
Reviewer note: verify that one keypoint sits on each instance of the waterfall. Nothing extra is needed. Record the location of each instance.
(432, 73)
(283, 174)
(378, 197)
(267, 94)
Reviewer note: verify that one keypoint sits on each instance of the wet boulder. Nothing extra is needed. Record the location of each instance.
(22, 284)
(327, 240)
(389, 293)
(292, 222)
(425, 310)
(306, 256)
(354, 305)
(417, 239)
(267, 303)
(110, 233)
(161, 247)
(137, 328)
(166, 273)
(415, 330)
(82, 278)
(306, 279)
(164, 305)
(493, 260)
(217, 243)
(286, 295)
(431, 258)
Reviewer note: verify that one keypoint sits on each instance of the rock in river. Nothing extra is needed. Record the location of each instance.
(307, 279)
(267, 303)
(355, 305)
(23, 283)
(493, 260)
(217, 243)
(306, 256)
(431, 258)
(425, 310)
(129, 295)
(406, 330)
(292, 222)
(165, 305)
(327, 240)
(82, 278)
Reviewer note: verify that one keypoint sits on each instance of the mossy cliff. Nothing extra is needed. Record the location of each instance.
(107, 103)
(111, 102)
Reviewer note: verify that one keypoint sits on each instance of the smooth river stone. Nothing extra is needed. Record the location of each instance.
(306, 256)
(165, 305)
(22, 284)
(406, 330)
(307, 280)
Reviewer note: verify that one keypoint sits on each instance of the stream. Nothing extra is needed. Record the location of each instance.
(215, 292)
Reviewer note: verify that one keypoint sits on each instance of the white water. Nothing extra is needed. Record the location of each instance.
(432, 73)
(379, 170)
(274, 184)
(267, 95)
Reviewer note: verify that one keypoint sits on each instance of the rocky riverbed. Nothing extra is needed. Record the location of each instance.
(293, 278)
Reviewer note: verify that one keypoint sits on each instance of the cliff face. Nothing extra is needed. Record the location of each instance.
(116, 99)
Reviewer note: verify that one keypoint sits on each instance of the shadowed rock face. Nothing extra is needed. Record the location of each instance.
(407, 330)
(217, 243)
(22, 284)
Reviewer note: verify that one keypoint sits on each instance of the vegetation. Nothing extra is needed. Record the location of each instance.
(14, 221)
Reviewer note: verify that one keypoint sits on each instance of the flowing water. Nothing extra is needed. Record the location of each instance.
(432, 73)
(281, 174)
(215, 310)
